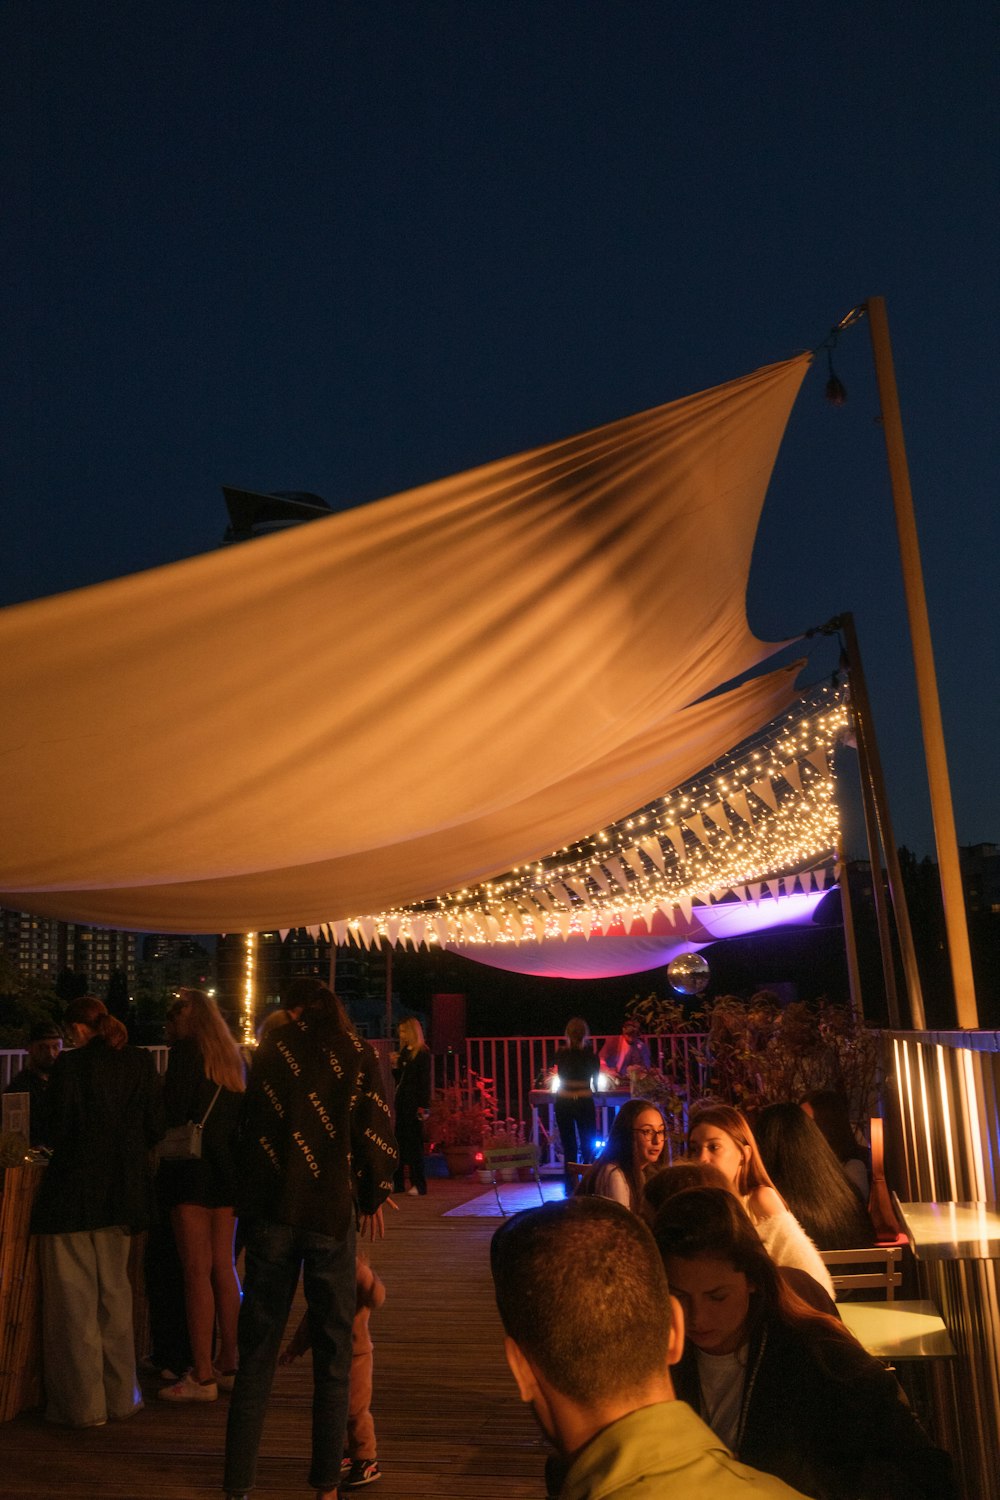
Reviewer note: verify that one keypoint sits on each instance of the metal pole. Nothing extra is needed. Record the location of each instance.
(850, 944)
(388, 988)
(878, 895)
(871, 772)
(930, 707)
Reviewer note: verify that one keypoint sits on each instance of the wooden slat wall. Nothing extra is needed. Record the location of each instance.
(447, 1415)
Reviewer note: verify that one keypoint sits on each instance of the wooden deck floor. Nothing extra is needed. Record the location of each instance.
(447, 1415)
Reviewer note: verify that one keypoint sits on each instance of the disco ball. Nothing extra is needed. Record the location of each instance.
(688, 974)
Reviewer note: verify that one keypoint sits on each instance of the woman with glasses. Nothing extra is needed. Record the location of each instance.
(635, 1146)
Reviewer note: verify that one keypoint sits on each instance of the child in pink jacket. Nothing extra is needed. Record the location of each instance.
(360, 1464)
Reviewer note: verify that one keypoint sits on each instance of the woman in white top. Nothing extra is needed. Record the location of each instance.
(635, 1144)
(720, 1135)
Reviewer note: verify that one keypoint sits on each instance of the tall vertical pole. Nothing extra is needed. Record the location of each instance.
(872, 777)
(388, 988)
(850, 942)
(942, 811)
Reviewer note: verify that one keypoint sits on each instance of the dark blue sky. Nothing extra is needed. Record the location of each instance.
(351, 247)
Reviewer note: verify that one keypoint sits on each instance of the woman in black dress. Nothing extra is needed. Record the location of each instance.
(411, 1069)
(205, 1081)
(578, 1069)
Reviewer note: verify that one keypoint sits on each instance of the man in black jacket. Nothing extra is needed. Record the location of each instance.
(318, 1158)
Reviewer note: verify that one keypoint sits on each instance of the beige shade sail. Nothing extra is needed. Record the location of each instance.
(389, 703)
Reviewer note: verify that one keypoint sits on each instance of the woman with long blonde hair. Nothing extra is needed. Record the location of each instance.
(205, 1081)
(411, 1068)
(718, 1134)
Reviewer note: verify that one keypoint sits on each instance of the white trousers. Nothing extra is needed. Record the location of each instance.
(88, 1345)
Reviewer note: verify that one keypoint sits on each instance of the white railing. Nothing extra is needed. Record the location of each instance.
(12, 1060)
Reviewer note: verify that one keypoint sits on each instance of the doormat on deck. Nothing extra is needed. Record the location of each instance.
(513, 1195)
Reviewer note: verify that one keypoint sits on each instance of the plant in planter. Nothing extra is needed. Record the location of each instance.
(458, 1123)
(509, 1133)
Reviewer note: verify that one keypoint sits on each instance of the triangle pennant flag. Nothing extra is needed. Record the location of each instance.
(565, 920)
(666, 906)
(676, 837)
(696, 823)
(616, 870)
(493, 928)
(754, 890)
(418, 928)
(819, 759)
(367, 926)
(392, 927)
(765, 791)
(792, 775)
(599, 878)
(283, 932)
(717, 813)
(686, 905)
(633, 859)
(738, 802)
(442, 929)
(654, 849)
(340, 933)
(578, 887)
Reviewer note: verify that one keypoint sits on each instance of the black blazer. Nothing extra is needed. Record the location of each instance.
(104, 1113)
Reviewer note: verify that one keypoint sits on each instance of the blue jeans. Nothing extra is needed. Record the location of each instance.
(274, 1254)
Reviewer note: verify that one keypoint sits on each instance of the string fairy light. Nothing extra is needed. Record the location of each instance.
(761, 820)
(249, 979)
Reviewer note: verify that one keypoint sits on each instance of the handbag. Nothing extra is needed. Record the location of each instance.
(183, 1142)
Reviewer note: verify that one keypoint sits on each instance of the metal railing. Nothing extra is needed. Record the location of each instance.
(947, 1116)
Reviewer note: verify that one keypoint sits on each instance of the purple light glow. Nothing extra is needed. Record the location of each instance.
(597, 957)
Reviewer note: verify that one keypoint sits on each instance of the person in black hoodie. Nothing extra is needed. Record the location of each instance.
(786, 1388)
(104, 1113)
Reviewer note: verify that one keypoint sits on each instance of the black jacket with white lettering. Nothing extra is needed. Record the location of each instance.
(317, 1141)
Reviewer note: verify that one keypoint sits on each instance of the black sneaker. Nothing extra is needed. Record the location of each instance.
(362, 1471)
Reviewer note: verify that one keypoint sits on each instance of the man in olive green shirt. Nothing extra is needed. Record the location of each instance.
(591, 1332)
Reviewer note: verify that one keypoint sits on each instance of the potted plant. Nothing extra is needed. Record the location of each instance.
(458, 1124)
(509, 1133)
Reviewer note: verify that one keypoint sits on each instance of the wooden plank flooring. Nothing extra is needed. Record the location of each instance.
(447, 1415)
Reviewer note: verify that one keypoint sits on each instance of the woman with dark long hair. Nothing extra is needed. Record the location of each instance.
(720, 1135)
(786, 1388)
(810, 1179)
(830, 1111)
(635, 1145)
(205, 1081)
(104, 1113)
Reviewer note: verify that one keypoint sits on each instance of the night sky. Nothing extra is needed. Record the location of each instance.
(350, 248)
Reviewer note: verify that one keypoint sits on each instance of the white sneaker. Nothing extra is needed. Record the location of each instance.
(190, 1389)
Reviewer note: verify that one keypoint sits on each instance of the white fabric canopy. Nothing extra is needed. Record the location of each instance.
(400, 699)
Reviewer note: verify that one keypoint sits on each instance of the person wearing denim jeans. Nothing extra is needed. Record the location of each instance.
(274, 1253)
(318, 1157)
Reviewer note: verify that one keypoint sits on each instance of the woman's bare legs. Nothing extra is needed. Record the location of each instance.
(225, 1285)
(205, 1239)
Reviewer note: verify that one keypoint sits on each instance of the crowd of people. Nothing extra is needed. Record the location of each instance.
(298, 1151)
(672, 1324)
